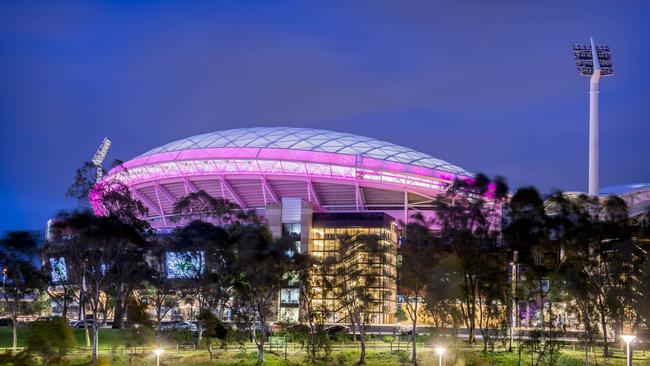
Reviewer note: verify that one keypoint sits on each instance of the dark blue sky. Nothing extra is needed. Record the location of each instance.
(489, 87)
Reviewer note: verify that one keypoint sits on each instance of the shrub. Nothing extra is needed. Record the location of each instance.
(51, 339)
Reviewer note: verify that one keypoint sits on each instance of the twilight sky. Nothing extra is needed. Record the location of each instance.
(491, 88)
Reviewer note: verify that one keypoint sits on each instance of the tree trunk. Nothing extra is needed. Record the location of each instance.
(260, 347)
(603, 324)
(95, 339)
(362, 338)
(87, 334)
(14, 330)
(541, 304)
(64, 311)
(312, 329)
(121, 302)
(414, 359)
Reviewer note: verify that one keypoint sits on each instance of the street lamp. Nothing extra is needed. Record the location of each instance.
(158, 352)
(440, 351)
(628, 339)
(593, 61)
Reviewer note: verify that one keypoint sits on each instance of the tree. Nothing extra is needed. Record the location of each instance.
(202, 256)
(110, 197)
(50, 339)
(95, 253)
(469, 218)
(158, 291)
(358, 274)
(20, 277)
(605, 265)
(539, 240)
(418, 251)
(213, 328)
(200, 206)
(139, 329)
(314, 285)
(55, 274)
(260, 268)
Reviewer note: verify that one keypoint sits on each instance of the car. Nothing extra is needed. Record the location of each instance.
(337, 329)
(6, 322)
(80, 323)
(184, 325)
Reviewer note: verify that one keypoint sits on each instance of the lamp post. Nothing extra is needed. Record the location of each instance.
(628, 339)
(593, 61)
(440, 351)
(158, 352)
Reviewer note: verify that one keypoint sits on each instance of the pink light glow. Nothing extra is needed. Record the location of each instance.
(286, 155)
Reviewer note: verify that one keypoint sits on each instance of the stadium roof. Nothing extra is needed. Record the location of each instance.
(307, 139)
(625, 189)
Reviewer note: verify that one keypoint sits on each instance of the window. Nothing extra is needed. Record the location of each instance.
(289, 296)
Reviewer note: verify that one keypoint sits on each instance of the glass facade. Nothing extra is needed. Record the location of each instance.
(376, 265)
(289, 307)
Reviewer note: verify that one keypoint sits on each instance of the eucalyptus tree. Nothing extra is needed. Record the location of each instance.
(315, 287)
(469, 220)
(200, 256)
(201, 206)
(617, 264)
(94, 251)
(112, 198)
(21, 279)
(540, 241)
(358, 272)
(55, 274)
(158, 291)
(260, 268)
(420, 256)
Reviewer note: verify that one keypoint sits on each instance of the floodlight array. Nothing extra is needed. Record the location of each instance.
(100, 155)
(585, 62)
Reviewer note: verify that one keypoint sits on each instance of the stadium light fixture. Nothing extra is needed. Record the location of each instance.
(593, 61)
(100, 155)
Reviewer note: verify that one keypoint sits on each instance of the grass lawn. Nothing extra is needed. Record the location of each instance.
(114, 353)
(348, 358)
(108, 338)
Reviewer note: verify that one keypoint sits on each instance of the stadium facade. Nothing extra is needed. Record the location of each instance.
(314, 185)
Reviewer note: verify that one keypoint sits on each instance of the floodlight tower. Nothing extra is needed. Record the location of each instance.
(593, 61)
(99, 157)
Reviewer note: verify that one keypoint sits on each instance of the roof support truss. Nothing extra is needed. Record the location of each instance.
(139, 195)
(162, 212)
(311, 193)
(165, 193)
(225, 185)
(266, 188)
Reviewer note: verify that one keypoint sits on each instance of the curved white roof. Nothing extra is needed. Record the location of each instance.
(309, 139)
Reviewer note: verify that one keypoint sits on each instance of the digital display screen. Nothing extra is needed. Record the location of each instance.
(184, 264)
(59, 271)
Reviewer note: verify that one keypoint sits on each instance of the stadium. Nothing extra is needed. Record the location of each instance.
(308, 184)
(255, 167)
(312, 185)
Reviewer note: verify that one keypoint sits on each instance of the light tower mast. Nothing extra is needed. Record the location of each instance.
(99, 157)
(593, 61)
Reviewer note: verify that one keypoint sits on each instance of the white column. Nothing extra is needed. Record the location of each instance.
(593, 136)
(593, 122)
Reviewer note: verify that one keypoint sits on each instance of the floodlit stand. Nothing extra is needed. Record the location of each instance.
(593, 61)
